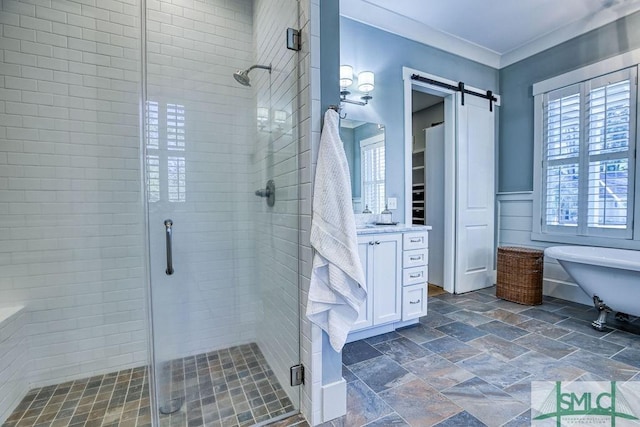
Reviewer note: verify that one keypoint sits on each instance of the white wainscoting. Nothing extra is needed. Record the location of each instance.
(514, 216)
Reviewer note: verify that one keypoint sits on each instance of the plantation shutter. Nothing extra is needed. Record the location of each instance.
(589, 147)
(610, 109)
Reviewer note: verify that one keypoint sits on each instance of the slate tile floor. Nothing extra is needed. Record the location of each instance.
(470, 362)
(230, 387)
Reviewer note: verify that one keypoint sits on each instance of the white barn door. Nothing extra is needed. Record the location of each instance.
(475, 194)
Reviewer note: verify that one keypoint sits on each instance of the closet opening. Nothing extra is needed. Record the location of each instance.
(427, 173)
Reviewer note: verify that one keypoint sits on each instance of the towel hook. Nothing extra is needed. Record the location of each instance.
(337, 109)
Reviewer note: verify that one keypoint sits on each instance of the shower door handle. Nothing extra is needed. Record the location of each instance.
(168, 224)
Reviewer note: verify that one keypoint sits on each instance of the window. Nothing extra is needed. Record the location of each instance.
(588, 146)
(373, 174)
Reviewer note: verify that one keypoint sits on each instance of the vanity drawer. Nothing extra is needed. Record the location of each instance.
(414, 241)
(414, 301)
(414, 275)
(415, 258)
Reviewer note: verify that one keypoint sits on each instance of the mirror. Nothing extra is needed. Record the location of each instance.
(364, 145)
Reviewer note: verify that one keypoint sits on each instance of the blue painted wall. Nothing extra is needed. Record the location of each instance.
(367, 48)
(515, 148)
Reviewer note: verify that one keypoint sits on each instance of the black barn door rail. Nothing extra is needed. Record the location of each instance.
(459, 88)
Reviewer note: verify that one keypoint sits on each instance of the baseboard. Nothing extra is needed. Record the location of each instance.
(379, 330)
(566, 291)
(370, 332)
(334, 400)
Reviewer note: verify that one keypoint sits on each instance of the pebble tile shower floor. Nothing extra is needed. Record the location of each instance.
(231, 387)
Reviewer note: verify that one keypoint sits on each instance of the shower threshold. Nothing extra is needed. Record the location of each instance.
(229, 387)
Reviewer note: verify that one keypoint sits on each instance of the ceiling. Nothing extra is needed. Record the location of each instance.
(494, 32)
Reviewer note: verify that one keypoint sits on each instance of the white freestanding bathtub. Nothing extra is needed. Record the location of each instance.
(611, 277)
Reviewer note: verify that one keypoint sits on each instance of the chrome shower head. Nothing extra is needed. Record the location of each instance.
(242, 76)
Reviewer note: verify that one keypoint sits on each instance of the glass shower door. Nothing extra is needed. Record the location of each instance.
(223, 257)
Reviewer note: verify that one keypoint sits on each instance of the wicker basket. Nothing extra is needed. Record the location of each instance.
(520, 275)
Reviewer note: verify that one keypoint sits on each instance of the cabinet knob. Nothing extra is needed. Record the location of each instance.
(415, 275)
(417, 240)
(415, 258)
(371, 243)
(414, 302)
(377, 243)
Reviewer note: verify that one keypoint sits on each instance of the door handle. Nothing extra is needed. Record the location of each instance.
(169, 235)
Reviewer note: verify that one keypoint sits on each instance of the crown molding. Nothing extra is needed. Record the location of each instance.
(574, 29)
(390, 21)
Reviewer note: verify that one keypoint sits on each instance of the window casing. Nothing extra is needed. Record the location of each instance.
(586, 141)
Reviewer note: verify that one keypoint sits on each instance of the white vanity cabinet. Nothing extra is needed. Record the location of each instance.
(396, 273)
(415, 275)
(381, 258)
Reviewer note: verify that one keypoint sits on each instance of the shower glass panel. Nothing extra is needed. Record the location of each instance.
(223, 261)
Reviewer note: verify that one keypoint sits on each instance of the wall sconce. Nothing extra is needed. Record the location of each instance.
(365, 85)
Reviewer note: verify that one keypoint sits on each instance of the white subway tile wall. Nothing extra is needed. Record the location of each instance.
(13, 359)
(276, 152)
(72, 249)
(203, 140)
(70, 199)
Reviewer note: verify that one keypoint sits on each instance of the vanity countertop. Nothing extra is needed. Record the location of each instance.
(399, 228)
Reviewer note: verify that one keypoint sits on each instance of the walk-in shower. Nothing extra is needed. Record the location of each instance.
(109, 151)
(242, 76)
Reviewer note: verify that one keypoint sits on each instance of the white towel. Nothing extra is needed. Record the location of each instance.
(337, 288)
